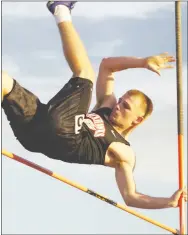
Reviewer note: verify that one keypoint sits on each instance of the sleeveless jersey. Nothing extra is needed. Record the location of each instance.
(97, 135)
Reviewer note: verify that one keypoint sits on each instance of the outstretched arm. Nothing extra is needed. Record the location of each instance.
(126, 184)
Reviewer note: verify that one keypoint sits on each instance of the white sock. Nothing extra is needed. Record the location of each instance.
(62, 14)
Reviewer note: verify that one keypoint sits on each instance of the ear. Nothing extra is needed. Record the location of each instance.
(138, 121)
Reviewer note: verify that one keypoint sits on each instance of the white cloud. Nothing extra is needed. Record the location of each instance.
(93, 10)
(10, 65)
(127, 9)
(105, 48)
(44, 54)
(24, 9)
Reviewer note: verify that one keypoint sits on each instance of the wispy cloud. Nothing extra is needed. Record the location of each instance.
(9, 64)
(92, 10)
(44, 54)
(105, 48)
(126, 9)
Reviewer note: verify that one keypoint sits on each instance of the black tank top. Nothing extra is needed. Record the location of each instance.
(97, 135)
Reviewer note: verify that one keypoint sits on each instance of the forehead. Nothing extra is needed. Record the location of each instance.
(134, 98)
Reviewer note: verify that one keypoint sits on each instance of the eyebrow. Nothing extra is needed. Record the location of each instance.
(124, 101)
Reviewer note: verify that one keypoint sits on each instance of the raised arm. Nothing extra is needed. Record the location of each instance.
(105, 82)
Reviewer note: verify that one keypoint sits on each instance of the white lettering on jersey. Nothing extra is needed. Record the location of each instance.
(96, 124)
(78, 122)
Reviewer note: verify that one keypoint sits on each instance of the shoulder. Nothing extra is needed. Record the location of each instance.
(108, 102)
(122, 152)
(103, 111)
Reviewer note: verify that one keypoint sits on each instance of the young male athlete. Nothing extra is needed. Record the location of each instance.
(63, 129)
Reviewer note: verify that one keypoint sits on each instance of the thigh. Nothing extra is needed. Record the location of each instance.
(68, 108)
(21, 107)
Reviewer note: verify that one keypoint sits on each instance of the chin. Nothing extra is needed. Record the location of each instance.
(113, 119)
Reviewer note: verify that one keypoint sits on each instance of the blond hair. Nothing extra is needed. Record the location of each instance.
(148, 107)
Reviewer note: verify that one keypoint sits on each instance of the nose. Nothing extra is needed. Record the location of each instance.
(117, 107)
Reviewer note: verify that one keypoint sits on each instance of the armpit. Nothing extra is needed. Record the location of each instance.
(122, 152)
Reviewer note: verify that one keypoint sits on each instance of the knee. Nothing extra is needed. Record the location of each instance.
(87, 73)
(7, 83)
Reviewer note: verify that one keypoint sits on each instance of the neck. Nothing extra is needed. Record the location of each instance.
(122, 131)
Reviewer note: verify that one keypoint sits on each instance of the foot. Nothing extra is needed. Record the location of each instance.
(51, 5)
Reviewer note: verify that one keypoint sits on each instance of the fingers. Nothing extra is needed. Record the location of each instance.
(163, 54)
(157, 71)
(185, 198)
(178, 193)
(167, 58)
(168, 66)
(177, 232)
(185, 193)
(171, 59)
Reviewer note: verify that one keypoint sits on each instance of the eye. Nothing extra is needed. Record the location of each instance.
(124, 105)
(119, 101)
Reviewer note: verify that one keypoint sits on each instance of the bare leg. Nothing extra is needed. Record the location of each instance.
(7, 84)
(75, 52)
(73, 47)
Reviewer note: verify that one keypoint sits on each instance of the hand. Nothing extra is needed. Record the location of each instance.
(158, 62)
(174, 199)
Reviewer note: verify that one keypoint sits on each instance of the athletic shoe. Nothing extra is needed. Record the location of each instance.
(51, 5)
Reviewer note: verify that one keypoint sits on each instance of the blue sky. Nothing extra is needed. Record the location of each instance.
(32, 54)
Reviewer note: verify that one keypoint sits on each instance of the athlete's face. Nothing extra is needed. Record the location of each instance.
(129, 111)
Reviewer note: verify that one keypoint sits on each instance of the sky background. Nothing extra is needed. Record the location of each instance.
(33, 203)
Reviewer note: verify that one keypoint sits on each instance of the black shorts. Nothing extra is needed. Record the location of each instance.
(52, 127)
